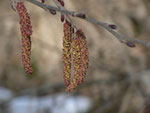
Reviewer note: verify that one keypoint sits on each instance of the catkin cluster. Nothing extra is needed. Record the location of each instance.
(26, 32)
(75, 53)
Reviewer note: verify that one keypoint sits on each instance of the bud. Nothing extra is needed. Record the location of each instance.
(131, 44)
(62, 3)
(112, 26)
(81, 15)
(52, 12)
(43, 1)
(62, 17)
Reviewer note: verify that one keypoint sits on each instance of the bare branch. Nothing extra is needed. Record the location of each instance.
(123, 39)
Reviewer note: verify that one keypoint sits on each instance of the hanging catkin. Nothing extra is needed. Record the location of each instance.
(80, 60)
(26, 32)
(67, 52)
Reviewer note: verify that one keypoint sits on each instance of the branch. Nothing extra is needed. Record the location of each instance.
(123, 39)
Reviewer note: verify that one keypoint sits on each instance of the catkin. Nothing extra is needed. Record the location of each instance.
(67, 52)
(80, 60)
(26, 32)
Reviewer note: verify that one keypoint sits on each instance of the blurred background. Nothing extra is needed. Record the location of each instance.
(118, 77)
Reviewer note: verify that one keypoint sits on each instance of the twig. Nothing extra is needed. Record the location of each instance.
(123, 39)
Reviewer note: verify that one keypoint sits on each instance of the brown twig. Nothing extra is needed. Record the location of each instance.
(123, 39)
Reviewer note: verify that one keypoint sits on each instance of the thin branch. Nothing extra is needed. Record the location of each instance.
(123, 39)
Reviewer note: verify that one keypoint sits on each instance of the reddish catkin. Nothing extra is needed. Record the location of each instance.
(80, 60)
(67, 52)
(26, 31)
(84, 55)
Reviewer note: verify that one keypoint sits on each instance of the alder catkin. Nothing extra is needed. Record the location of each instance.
(26, 32)
(67, 52)
(84, 54)
(80, 60)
